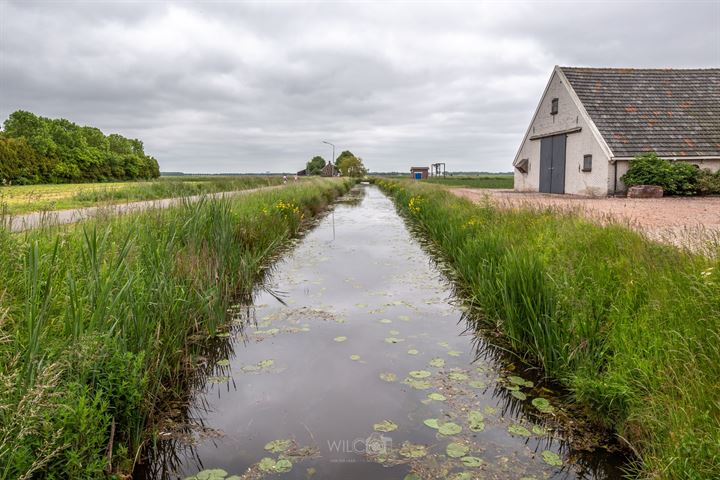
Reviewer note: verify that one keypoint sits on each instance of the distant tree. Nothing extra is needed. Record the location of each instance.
(315, 166)
(350, 165)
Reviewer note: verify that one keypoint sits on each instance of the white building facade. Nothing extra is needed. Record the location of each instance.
(590, 122)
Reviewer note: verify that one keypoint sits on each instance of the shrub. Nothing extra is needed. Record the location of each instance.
(675, 178)
(708, 183)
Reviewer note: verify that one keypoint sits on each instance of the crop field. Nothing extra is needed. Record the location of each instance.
(49, 197)
(99, 322)
(628, 326)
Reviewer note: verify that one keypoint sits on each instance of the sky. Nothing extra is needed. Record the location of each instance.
(225, 86)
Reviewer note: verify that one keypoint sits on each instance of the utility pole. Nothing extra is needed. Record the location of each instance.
(332, 160)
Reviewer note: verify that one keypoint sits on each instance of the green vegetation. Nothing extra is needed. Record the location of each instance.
(99, 321)
(32, 198)
(675, 178)
(629, 326)
(350, 165)
(36, 149)
(315, 166)
(495, 181)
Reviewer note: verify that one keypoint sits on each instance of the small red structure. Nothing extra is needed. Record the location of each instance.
(419, 173)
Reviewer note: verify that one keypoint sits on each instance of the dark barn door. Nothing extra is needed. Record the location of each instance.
(552, 164)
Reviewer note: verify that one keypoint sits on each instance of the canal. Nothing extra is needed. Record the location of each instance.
(356, 361)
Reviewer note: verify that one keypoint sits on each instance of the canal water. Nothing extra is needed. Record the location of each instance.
(356, 362)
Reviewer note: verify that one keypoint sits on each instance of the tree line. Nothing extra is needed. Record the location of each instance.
(36, 149)
(348, 164)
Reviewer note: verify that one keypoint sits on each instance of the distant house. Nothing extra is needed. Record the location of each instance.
(591, 121)
(301, 173)
(419, 173)
(329, 170)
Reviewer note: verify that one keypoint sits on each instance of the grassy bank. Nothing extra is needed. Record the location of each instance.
(495, 181)
(98, 320)
(33, 198)
(631, 327)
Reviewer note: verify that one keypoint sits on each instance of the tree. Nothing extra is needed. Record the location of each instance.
(315, 166)
(350, 165)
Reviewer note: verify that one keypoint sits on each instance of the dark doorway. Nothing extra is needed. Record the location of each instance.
(552, 164)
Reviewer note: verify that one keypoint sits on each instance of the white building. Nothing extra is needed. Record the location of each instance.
(591, 121)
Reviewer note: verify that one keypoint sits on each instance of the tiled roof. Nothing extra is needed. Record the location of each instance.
(675, 113)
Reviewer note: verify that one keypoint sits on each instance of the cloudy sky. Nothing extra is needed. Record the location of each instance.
(252, 87)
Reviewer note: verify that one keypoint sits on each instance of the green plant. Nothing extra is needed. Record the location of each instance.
(675, 178)
(708, 183)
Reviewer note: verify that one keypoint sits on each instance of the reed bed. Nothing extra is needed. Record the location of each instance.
(100, 319)
(631, 327)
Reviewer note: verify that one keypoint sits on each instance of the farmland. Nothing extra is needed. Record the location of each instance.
(483, 181)
(99, 322)
(629, 326)
(50, 197)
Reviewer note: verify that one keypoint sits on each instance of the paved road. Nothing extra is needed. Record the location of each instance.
(19, 223)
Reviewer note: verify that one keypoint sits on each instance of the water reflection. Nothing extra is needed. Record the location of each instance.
(356, 303)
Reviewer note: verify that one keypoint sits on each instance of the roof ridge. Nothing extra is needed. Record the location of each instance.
(633, 69)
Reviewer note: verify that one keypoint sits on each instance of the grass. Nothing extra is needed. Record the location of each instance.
(32, 198)
(629, 326)
(495, 181)
(99, 321)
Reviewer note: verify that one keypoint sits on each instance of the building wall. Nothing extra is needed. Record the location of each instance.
(593, 183)
(622, 167)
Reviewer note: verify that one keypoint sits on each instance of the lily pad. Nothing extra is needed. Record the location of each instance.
(490, 410)
(394, 333)
(218, 379)
(388, 377)
(417, 384)
(476, 420)
(542, 405)
(519, 395)
(394, 340)
(420, 374)
(449, 428)
(551, 458)
(444, 344)
(223, 363)
(267, 464)
(457, 450)
(404, 318)
(512, 388)
(355, 357)
(412, 450)
(432, 423)
(385, 426)
(340, 338)
(540, 431)
(454, 353)
(437, 396)
(222, 335)
(462, 476)
(477, 384)
(472, 462)
(266, 363)
(283, 465)
(386, 320)
(211, 474)
(412, 351)
(519, 430)
(459, 376)
(437, 362)
(278, 446)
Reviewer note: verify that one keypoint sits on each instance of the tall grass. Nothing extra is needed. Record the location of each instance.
(631, 327)
(493, 181)
(98, 320)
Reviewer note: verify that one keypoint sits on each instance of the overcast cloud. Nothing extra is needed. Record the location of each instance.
(253, 87)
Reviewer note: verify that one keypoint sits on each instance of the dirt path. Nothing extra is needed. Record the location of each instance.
(28, 221)
(687, 222)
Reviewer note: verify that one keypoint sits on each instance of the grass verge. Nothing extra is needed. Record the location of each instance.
(631, 327)
(495, 181)
(97, 320)
(33, 198)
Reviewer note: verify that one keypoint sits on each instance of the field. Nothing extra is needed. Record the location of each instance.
(100, 321)
(490, 181)
(629, 326)
(32, 198)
